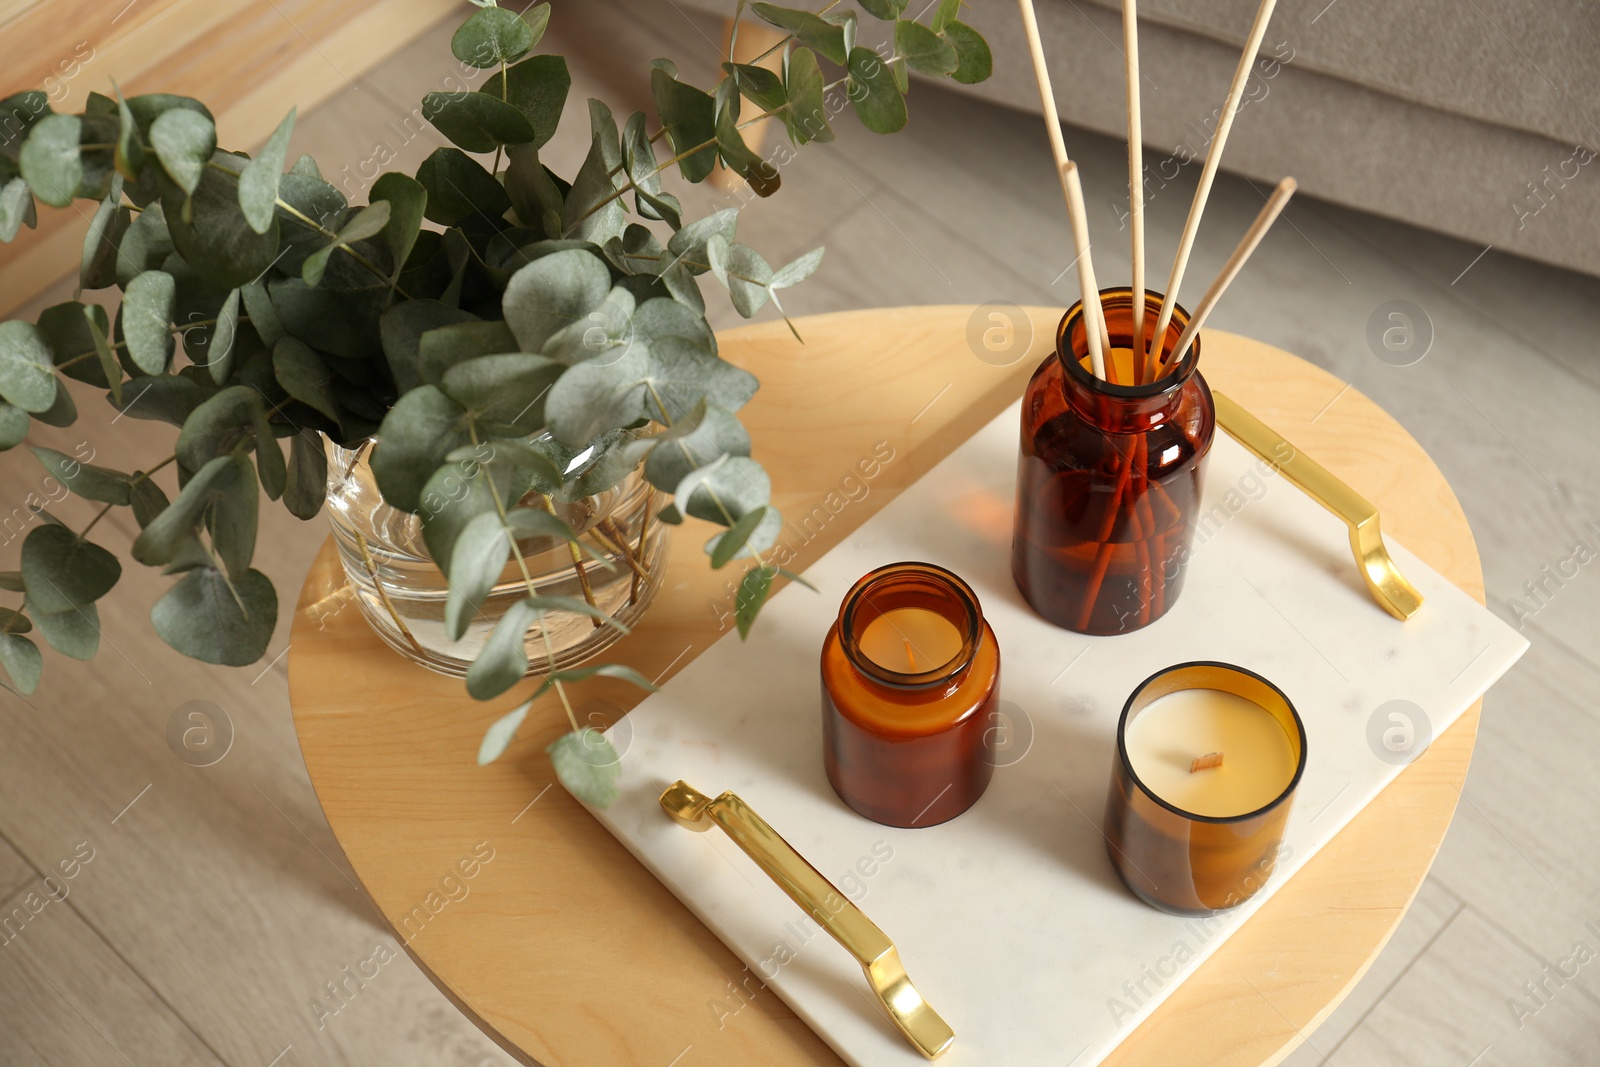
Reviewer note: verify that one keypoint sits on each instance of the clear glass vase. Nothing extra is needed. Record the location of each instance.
(401, 591)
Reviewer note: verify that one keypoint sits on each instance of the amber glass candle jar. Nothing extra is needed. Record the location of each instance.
(1109, 476)
(910, 679)
(1208, 760)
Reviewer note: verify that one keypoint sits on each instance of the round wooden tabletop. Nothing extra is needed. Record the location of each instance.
(566, 951)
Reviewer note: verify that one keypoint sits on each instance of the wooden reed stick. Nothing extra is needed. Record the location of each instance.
(1094, 324)
(1230, 270)
(1208, 173)
(1058, 148)
(1130, 48)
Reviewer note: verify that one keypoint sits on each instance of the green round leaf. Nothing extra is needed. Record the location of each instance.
(458, 186)
(51, 161)
(74, 633)
(147, 306)
(27, 374)
(503, 394)
(477, 560)
(594, 397)
(807, 115)
(183, 140)
(90, 482)
(304, 376)
(476, 122)
(974, 63)
(689, 116)
(587, 765)
(502, 664)
(206, 620)
(22, 661)
(16, 208)
(491, 37)
(500, 735)
(826, 37)
(14, 424)
(306, 485)
(924, 50)
(422, 428)
(258, 183)
(876, 97)
(62, 571)
(538, 88)
(211, 233)
(554, 292)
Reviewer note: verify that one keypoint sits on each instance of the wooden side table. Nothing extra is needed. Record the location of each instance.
(566, 951)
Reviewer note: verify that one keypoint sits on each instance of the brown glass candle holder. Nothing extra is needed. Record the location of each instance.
(1109, 476)
(904, 738)
(1199, 864)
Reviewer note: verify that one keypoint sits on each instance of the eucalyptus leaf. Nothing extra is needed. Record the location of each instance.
(63, 571)
(51, 161)
(726, 544)
(724, 491)
(421, 429)
(14, 423)
(747, 276)
(689, 116)
(223, 496)
(491, 37)
(183, 141)
(552, 293)
(22, 661)
(806, 117)
(147, 306)
(924, 50)
(593, 210)
(754, 588)
(86, 480)
(503, 394)
(166, 398)
(75, 632)
(148, 501)
(477, 560)
(538, 88)
(502, 664)
(144, 246)
(224, 338)
(476, 122)
(974, 62)
(205, 618)
(258, 183)
(824, 36)
(459, 187)
(874, 93)
(16, 208)
(594, 397)
(443, 347)
(306, 480)
(98, 266)
(304, 376)
(27, 374)
(501, 733)
(212, 234)
(408, 204)
(688, 245)
(587, 766)
(887, 10)
(715, 433)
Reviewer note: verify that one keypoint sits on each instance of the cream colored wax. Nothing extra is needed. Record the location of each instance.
(1166, 737)
(910, 640)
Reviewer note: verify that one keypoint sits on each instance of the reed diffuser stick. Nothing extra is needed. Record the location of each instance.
(1058, 148)
(1094, 320)
(1208, 173)
(1130, 49)
(1230, 270)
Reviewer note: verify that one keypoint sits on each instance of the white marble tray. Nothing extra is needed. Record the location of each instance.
(1010, 919)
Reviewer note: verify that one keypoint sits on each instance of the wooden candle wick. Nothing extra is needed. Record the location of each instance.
(1206, 762)
(1208, 173)
(1094, 323)
(1230, 270)
(1130, 48)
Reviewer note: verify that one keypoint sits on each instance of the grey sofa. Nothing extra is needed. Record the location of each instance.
(1477, 118)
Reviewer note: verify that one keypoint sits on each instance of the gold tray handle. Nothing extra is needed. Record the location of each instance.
(1388, 586)
(806, 886)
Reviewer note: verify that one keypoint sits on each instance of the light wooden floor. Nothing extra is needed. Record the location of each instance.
(216, 908)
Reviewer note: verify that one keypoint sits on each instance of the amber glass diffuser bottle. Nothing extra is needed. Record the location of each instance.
(1208, 760)
(910, 681)
(1109, 477)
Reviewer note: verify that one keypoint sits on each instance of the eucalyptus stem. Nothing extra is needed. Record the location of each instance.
(383, 595)
(98, 516)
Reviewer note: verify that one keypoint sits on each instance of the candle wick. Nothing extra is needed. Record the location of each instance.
(910, 656)
(1206, 762)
